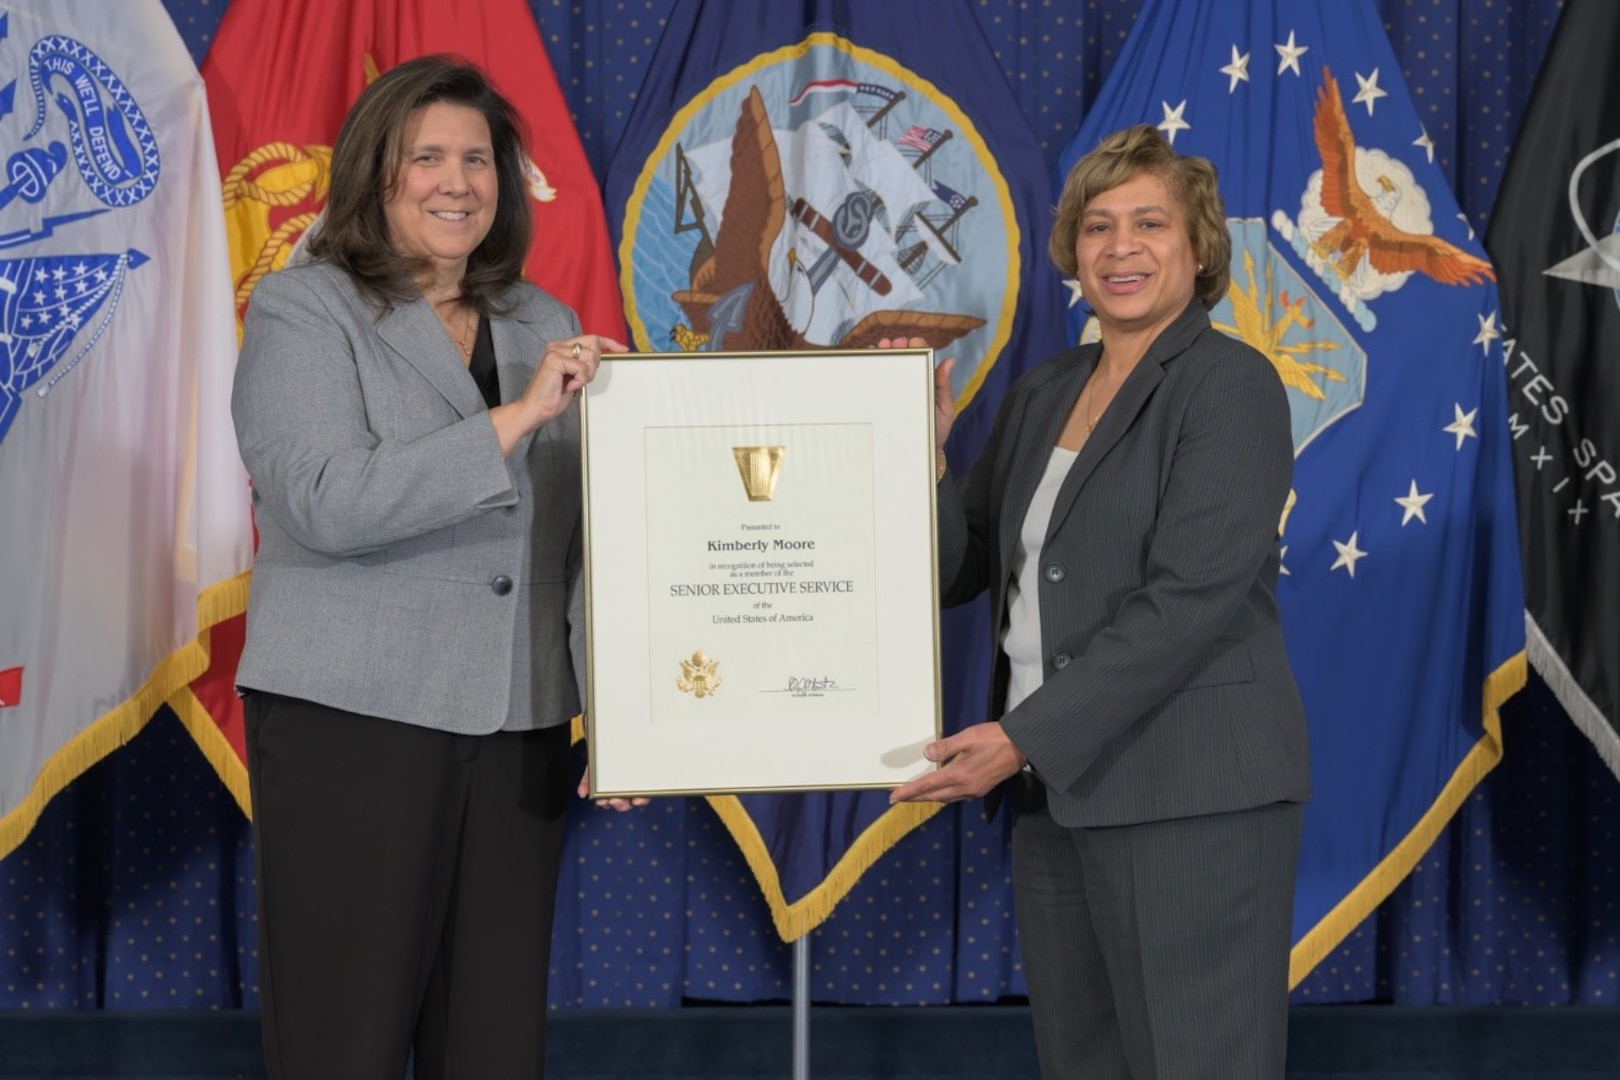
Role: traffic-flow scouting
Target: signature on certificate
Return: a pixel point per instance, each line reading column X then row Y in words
column 810, row 686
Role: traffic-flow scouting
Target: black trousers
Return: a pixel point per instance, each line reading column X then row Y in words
column 406, row 883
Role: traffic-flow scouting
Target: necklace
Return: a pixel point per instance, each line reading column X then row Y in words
column 1085, row 413
column 464, row 341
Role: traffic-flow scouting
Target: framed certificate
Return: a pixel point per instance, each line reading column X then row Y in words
column 762, row 602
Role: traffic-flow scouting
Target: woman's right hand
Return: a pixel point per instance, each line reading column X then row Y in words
column 564, row 370
column 944, row 402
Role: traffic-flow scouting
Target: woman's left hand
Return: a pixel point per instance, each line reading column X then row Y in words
column 977, row 759
column 621, row 805
column 944, row 396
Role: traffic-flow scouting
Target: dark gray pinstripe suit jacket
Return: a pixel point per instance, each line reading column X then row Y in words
column 1167, row 688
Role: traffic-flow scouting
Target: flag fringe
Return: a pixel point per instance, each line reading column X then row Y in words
column 225, row 600
column 1375, row 888
column 795, row 920
column 1581, row 709
column 215, row 747
column 122, row 723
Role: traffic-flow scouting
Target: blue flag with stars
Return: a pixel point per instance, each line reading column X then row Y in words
column 1353, row 271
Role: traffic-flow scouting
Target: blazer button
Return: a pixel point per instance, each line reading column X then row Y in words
column 1061, row 661
column 501, row 585
column 1054, row 572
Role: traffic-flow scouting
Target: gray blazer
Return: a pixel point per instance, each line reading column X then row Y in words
column 405, row 568
column 1167, row 689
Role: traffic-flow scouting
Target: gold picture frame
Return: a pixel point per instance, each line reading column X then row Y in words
column 761, row 593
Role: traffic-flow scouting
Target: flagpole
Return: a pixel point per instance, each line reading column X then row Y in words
column 801, row 1008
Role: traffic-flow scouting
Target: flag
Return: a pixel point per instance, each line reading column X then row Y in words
column 918, row 138
column 125, row 534
column 1555, row 236
column 281, row 76
column 825, row 175
column 1353, row 271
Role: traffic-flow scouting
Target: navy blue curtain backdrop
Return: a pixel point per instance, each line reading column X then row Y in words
column 135, row 889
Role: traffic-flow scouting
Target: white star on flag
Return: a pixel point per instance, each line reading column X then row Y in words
column 1075, row 295
column 1369, row 91
column 1487, row 332
column 1172, row 121
column 1413, row 503
column 1283, row 571
column 1290, row 54
column 1348, row 554
column 1424, row 141
column 1464, row 219
column 1463, row 426
column 1238, row 70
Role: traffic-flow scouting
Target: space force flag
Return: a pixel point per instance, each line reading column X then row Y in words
column 1354, row 273
column 124, row 531
column 825, row 174
column 1555, row 235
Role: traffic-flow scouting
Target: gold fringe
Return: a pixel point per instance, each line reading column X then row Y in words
column 1349, row 913
column 804, row 915
column 205, row 732
column 224, row 600
column 797, row 919
column 121, row 724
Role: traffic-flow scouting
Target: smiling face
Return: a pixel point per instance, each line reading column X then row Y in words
column 443, row 200
column 1136, row 263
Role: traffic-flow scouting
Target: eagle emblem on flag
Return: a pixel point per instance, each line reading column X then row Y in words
column 52, row 303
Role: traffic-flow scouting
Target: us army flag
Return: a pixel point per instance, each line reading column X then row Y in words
column 1555, row 240
column 801, row 176
column 124, row 525
column 1352, row 271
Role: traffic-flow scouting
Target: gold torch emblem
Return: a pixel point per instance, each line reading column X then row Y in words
column 759, row 466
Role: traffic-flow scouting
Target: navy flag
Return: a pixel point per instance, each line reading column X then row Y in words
column 1555, row 234
column 1354, row 272
column 817, row 175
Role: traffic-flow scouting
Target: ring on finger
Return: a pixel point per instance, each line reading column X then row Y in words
column 576, row 350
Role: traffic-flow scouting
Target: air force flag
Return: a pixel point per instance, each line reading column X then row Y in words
column 1354, row 273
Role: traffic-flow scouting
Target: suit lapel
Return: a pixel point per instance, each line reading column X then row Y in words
column 1129, row 401
column 517, row 352
column 414, row 332
column 1043, row 420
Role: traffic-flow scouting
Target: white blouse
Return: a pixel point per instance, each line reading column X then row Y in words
column 1021, row 636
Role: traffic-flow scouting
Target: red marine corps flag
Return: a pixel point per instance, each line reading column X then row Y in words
column 281, row 76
